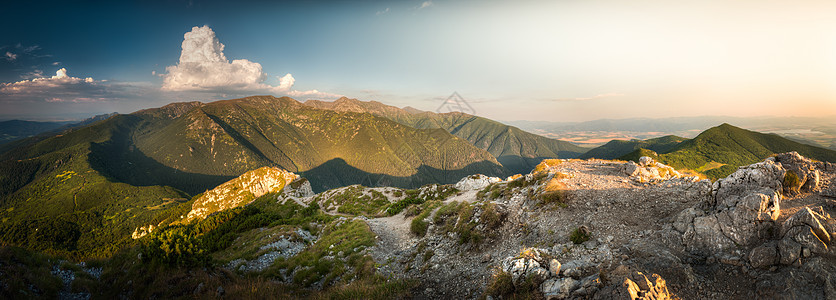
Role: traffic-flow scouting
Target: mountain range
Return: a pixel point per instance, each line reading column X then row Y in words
column 517, row 150
column 92, row 185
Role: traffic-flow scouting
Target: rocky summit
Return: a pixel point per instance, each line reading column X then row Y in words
column 625, row 231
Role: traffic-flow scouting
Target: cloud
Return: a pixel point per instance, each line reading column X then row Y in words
column 599, row 96
column 425, row 4
column 11, row 56
column 203, row 67
column 61, row 88
column 380, row 12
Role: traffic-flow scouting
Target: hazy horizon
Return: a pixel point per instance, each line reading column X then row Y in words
column 557, row 61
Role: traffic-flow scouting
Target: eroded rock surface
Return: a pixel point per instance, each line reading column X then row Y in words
column 240, row 191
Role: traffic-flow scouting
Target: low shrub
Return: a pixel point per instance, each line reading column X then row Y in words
column 579, row 235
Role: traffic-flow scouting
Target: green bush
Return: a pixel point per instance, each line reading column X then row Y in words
column 579, row 235
column 791, row 182
column 419, row 226
column 500, row 286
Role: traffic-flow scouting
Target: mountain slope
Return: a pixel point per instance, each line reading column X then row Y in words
column 718, row 151
column 517, row 150
column 92, row 186
column 617, row 148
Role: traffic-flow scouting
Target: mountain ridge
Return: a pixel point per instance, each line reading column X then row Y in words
column 517, row 150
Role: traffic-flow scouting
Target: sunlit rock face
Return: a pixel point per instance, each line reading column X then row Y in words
column 241, row 191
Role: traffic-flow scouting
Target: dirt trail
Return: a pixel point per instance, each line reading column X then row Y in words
column 393, row 236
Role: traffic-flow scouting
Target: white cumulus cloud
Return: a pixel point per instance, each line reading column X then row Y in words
column 58, row 88
column 203, row 67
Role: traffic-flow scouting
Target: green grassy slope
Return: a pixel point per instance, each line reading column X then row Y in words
column 718, row 151
column 617, row 148
column 517, row 150
column 53, row 199
column 735, row 147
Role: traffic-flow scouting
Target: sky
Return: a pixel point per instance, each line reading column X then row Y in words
column 555, row 60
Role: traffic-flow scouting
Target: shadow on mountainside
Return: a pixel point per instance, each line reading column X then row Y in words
column 338, row 173
column 120, row 160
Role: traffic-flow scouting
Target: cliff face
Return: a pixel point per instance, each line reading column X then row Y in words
column 241, row 191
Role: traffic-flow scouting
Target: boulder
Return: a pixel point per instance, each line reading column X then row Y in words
column 530, row 262
column 649, row 171
column 806, row 170
column 475, row 182
column 554, row 267
column 646, row 161
column 789, row 251
column 764, row 256
column 741, row 211
column 810, row 218
column 576, row 268
column 559, row 288
column 808, row 239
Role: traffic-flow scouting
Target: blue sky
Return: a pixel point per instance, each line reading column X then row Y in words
column 512, row 60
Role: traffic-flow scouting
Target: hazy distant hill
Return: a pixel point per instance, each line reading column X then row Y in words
column 718, row 151
column 17, row 129
column 517, row 150
column 13, row 130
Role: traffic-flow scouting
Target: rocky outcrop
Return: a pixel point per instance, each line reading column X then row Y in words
column 475, row 182
column 647, row 170
column 556, row 281
column 740, row 212
column 806, row 233
column 142, row 231
column 240, row 191
column 809, row 176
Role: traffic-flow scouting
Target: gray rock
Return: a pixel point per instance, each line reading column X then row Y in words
column 805, row 236
column 475, row 182
column 646, row 161
column 559, row 288
column 789, row 251
column 764, row 256
column 576, row 268
column 588, row 286
column 809, row 218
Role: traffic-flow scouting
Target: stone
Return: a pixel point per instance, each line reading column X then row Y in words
column 789, row 251
column 741, row 211
column 559, row 288
column 805, row 237
column 486, row 257
column 809, row 218
column 575, row 268
column 764, row 256
column 554, row 267
column 475, row 182
column 804, row 168
column 646, row 161
column 588, row 286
